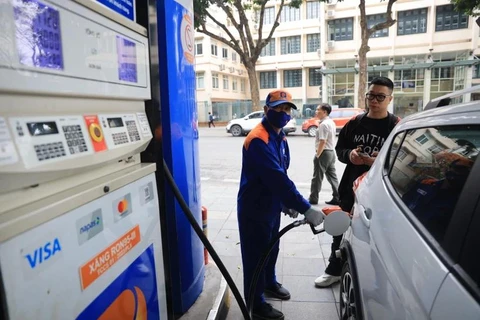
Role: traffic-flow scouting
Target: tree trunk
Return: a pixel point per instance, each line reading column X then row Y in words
column 362, row 73
column 254, row 87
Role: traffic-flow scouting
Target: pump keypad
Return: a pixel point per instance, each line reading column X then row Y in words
column 120, row 138
column 132, row 131
column 49, row 151
column 75, row 140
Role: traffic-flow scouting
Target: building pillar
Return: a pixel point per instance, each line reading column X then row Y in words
column 325, row 88
column 304, row 85
column 427, row 83
column 468, row 82
column 279, row 79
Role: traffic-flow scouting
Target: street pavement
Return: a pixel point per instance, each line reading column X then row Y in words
column 303, row 256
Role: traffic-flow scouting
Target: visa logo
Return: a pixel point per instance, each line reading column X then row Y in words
column 90, row 225
column 42, row 254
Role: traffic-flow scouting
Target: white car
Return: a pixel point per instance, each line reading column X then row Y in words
column 242, row 126
column 412, row 251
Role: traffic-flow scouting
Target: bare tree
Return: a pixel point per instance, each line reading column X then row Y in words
column 246, row 43
column 366, row 33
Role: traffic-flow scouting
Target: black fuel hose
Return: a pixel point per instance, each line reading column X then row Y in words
column 205, row 242
column 247, row 313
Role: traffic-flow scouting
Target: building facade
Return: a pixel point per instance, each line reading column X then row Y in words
column 430, row 51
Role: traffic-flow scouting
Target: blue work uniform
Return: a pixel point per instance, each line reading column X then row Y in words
column 264, row 188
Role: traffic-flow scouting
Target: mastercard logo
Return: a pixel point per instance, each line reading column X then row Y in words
column 122, row 206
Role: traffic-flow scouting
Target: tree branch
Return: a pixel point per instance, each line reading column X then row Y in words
column 233, row 45
column 232, row 38
column 388, row 23
column 264, row 42
column 244, row 24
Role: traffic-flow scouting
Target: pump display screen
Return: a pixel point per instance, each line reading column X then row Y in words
column 115, row 122
column 127, row 59
column 42, row 128
column 38, row 36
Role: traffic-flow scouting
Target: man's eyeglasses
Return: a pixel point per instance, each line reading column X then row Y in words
column 379, row 97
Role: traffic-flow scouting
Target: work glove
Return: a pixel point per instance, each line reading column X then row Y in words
column 314, row 216
column 290, row 212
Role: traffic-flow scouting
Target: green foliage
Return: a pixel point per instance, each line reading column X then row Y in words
column 470, row 7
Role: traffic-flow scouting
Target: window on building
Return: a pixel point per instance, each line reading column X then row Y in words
column 374, row 74
column 376, row 19
column 435, row 149
column 412, row 22
column 442, row 81
column 198, row 48
column 342, row 89
column 422, row 139
column 214, row 49
column 234, row 56
column 425, row 184
column 269, row 49
column 225, row 82
column 292, row 78
column 269, row 15
column 313, row 9
column 290, row 45
column 290, row 14
column 313, row 42
column 215, row 80
column 268, row 79
column 340, row 29
column 234, row 84
column 476, row 71
column 200, row 80
column 449, row 19
column 242, row 85
column 411, row 80
column 314, row 77
column 225, row 53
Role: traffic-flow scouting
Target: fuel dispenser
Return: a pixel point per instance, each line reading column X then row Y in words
column 79, row 216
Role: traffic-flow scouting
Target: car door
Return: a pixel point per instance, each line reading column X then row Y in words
column 253, row 119
column 399, row 224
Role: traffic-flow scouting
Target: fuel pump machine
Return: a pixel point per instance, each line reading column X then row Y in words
column 79, row 223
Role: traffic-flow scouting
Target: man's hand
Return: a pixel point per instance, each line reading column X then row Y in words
column 291, row 212
column 355, row 158
column 314, row 216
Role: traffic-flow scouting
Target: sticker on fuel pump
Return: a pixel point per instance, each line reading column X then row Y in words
column 8, row 154
column 144, row 125
column 103, row 261
column 96, row 133
column 132, row 295
column 122, row 207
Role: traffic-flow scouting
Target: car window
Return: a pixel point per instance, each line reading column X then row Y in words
column 348, row 113
column 335, row 114
column 256, row 115
column 430, row 169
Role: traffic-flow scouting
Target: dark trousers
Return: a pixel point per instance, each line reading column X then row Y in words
column 334, row 267
column 323, row 166
column 254, row 239
column 210, row 123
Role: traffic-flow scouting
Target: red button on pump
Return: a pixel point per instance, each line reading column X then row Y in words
column 122, row 206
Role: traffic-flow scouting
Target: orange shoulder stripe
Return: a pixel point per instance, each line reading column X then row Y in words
column 258, row 132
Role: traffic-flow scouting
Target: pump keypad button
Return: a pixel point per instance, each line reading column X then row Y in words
column 48, row 151
column 120, row 138
column 132, row 131
column 75, row 140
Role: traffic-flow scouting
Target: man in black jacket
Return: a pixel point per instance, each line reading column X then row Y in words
column 358, row 144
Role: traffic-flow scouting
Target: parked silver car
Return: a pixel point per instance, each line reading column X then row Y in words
column 242, row 126
column 413, row 248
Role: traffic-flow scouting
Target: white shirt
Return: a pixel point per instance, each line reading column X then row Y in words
column 327, row 131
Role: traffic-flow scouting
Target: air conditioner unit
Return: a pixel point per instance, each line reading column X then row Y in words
column 240, row 72
column 232, row 69
column 331, row 44
column 331, row 2
column 330, row 14
column 319, row 52
column 222, row 67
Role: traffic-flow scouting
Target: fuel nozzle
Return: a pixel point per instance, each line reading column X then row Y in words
column 335, row 223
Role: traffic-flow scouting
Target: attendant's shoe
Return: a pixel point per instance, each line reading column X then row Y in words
column 312, row 202
column 326, row 280
column 267, row 312
column 333, row 202
column 278, row 291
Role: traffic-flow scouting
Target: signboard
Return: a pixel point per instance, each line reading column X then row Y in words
column 125, row 8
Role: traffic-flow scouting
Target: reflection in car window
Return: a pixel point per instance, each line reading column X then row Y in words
column 394, row 149
column 430, row 169
column 256, row 115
